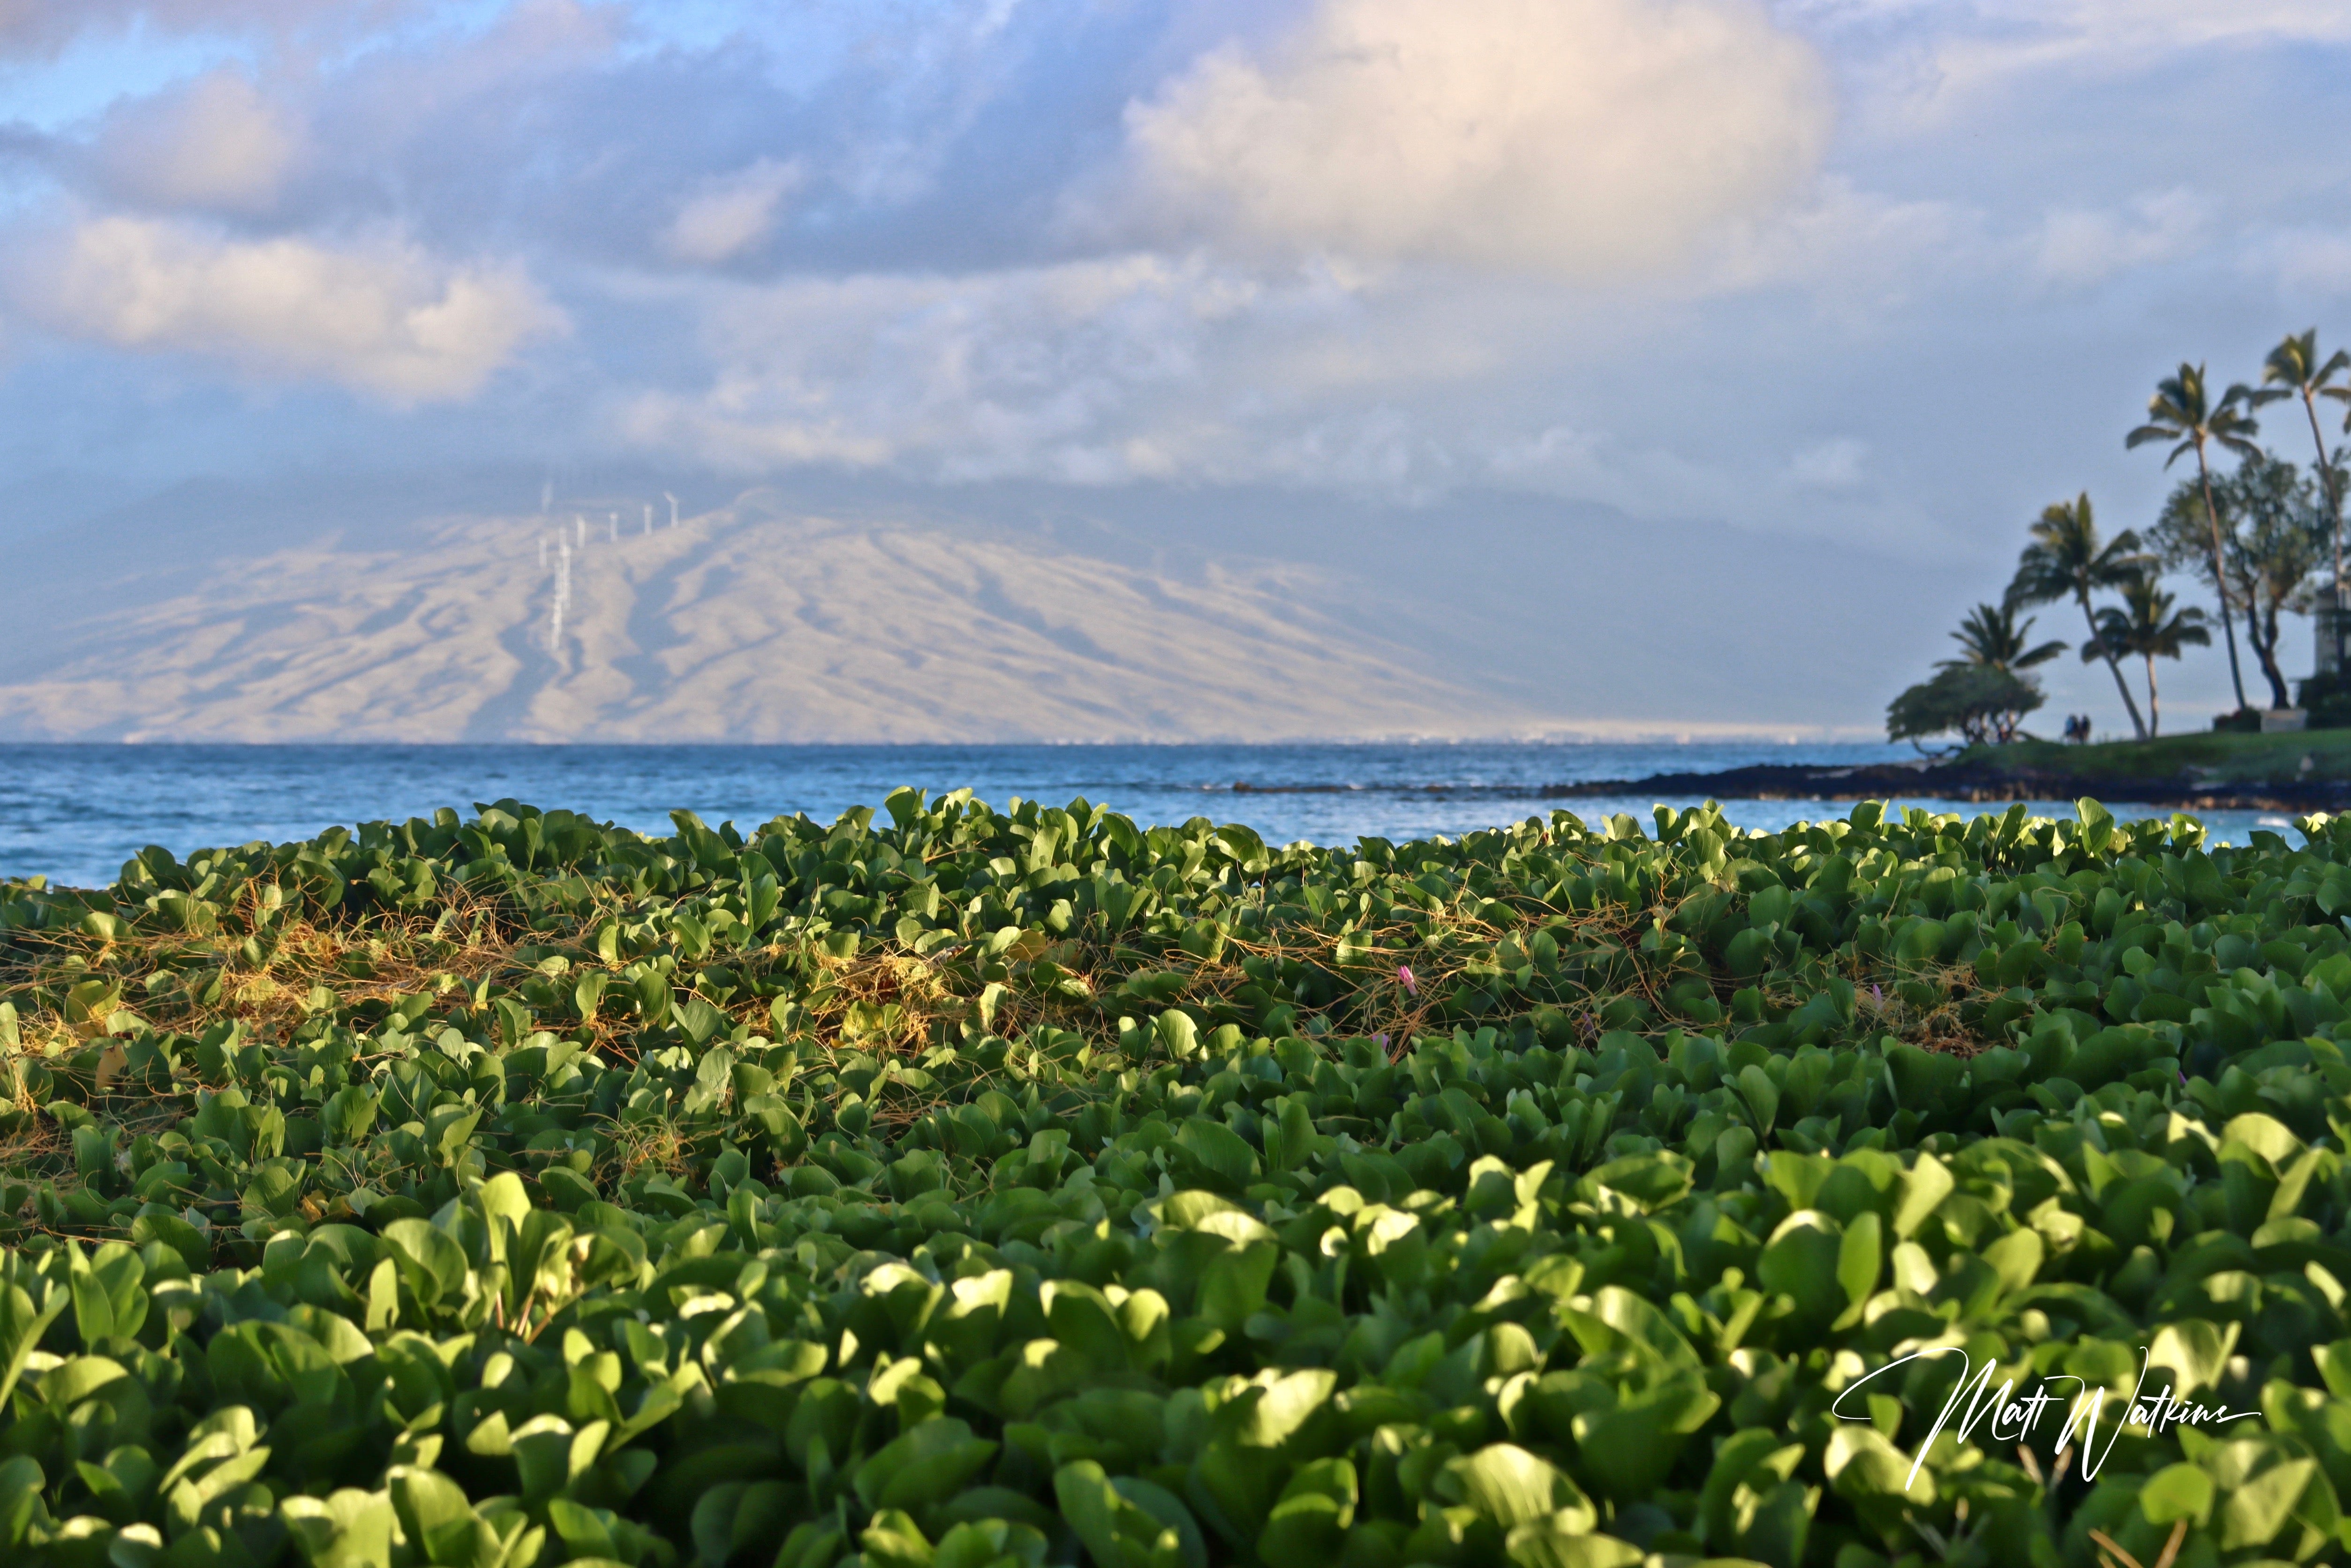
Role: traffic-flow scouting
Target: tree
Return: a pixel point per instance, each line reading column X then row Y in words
column 2292, row 369
column 2146, row 625
column 1982, row 703
column 1990, row 636
column 2179, row 413
column 2273, row 532
column 2066, row 560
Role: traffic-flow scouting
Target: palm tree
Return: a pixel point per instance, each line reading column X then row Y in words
column 2181, row 413
column 1990, row 636
column 2292, row 369
column 2066, row 560
column 2146, row 626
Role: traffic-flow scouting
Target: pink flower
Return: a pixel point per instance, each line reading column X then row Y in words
column 1404, row 977
column 1877, row 998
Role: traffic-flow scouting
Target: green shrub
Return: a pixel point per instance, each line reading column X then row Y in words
column 1031, row 1187
column 2326, row 699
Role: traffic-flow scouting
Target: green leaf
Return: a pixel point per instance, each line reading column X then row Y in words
column 1629, row 1443
column 1312, row 1515
column 933, row 1460
column 1865, row 1468
column 1179, row 1036
column 21, row 1482
column 2195, row 1350
column 1215, row 1156
column 1861, row 1256
column 430, row 1262
column 2176, row 1493
column 1123, row 1531
column 2256, row 1512
column 1802, row 1260
column 1924, row 1186
column 1513, row 1487
column 1556, row 1543
column 992, row 1544
column 1762, row 1096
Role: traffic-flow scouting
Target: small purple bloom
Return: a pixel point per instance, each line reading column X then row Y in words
column 1382, row 1040
column 1877, row 998
column 1404, row 977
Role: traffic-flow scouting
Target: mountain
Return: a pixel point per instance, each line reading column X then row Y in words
column 419, row 608
column 751, row 622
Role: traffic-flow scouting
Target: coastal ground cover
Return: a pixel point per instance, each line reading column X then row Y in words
column 954, row 1186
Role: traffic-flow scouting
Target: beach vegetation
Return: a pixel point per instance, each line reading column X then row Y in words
column 952, row 1186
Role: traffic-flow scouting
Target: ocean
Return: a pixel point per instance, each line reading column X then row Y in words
column 74, row 813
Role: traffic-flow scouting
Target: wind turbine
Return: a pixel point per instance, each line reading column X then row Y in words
column 546, row 495
column 579, row 521
column 649, row 519
column 542, row 552
column 562, row 598
column 672, row 507
column 616, row 527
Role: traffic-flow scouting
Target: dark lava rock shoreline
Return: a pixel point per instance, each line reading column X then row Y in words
column 1957, row 781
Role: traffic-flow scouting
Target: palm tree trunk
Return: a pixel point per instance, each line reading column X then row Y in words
column 2220, row 579
column 2082, row 597
column 2154, row 704
column 2335, row 509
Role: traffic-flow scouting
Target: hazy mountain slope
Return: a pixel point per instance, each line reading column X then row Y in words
column 750, row 624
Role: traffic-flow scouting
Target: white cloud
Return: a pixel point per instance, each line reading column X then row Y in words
column 730, row 213
column 1919, row 65
column 2309, row 263
column 1861, row 248
column 1831, row 464
column 2085, row 247
column 216, row 142
column 385, row 319
column 1581, row 138
column 1091, row 371
column 29, row 26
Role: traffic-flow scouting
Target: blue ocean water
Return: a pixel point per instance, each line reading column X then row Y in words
column 75, row 814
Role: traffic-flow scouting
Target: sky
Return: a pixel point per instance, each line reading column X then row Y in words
column 1887, row 275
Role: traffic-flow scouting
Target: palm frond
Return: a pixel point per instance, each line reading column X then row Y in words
column 1991, row 636
column 2288, row 365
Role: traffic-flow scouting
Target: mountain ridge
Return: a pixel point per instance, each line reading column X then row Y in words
column 749, row 623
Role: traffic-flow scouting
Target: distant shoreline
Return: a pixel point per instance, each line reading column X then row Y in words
column 2309, row 771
